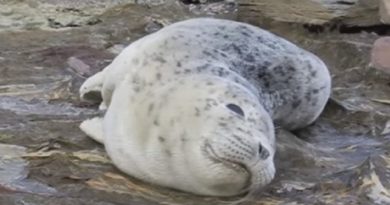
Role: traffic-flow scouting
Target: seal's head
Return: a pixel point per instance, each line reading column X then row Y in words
column 226, row 138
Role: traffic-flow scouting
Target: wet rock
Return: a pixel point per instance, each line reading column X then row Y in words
column 53, row 14
column 155, row 23
column 152, row 2
column 79, row 66
column 380, row 54
column 214, row 8
column 14, row 172
column 312, row 12
column 384, row 11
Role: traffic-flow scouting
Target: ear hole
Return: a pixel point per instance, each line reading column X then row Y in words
column 235, row 108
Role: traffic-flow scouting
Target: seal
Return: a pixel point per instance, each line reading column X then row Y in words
column 193, row 106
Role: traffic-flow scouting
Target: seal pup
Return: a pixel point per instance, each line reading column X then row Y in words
column 193, row 105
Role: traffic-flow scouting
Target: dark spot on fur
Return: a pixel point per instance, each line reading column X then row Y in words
column 260, row 39
column 183, row 136
column 295, row 104
column 292, row 69
column 245, row 34
column 136, row 88
column 236, row 48
column 155, row 122
column 212, row 102
column 223, row 54
column 197, row 111
column 308, row 96
column 158, row 76
column 251, row 68
column 160, row 59
column 249, row 58
column 178, row 64
column 220, row 71
column 323, row 87
column 168, row 152
column 222, row 124
column 266, row 83
column 267, row 63
column 251, row 120
column 135, row 61
column 150, row 108
column 207, row 53
column 313, row 73
column 261, row 74
column 222, row 27
column 161, row 139
column 279, row 69
column 225, row 36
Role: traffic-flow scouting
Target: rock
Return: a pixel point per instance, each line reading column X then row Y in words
column 380, row 54
column 313, row 12
column 153, row 26
column 384, row 11
column 14, row 172
column 79, row 66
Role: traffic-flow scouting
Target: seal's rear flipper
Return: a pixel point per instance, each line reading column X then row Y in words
column 93, row 128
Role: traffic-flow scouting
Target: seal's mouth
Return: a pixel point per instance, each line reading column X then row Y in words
column 237, row 166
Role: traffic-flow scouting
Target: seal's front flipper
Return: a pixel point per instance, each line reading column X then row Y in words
column 91, row 89
column 93, row 128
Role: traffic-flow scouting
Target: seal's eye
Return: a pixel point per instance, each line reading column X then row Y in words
column 263, row 153
column 235, row 108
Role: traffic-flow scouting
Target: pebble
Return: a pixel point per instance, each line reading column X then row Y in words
column 380, row 54
column 116, row 49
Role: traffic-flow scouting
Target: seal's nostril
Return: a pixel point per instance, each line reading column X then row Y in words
column 260, row 148
column 263, row 152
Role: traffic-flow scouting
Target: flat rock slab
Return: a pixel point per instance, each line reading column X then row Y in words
column 313, row 12
column 343, row 158
column 384, row 11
